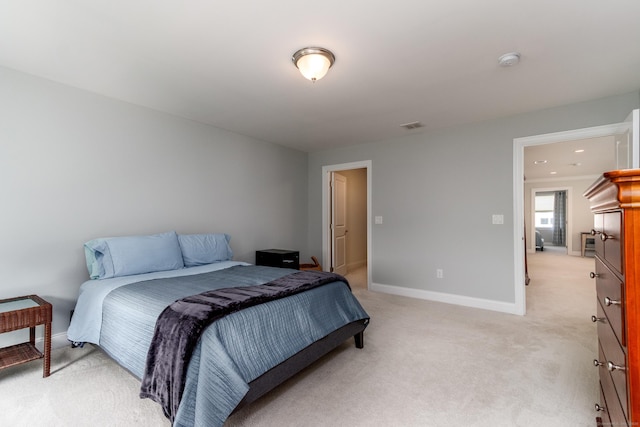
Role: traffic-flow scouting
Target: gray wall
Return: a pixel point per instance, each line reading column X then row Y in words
column 75, row 166
column 437, row 192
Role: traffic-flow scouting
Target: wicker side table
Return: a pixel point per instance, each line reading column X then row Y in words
column 20, row 313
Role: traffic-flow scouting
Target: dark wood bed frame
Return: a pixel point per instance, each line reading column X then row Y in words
column 299, row 361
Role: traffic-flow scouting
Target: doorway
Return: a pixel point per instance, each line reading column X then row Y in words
column 551, row 219
column 356, row 247
column 518, row 189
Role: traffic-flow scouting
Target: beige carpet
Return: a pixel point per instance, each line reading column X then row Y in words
column 424, row 364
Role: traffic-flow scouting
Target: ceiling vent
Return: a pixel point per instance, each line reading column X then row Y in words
column 412, row 125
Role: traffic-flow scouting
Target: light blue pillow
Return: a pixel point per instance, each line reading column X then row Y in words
column 97, row 254
column 124, row 256
column 200, row 249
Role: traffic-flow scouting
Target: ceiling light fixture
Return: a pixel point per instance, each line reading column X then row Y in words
column 509, row 59
column 540, row 162
column 412, row 125
column 580, row 150
column 313, row 62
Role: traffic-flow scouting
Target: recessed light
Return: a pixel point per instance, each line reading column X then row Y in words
column 540, row 162
column 575, row 164
column 579, row 151
column 553, row 173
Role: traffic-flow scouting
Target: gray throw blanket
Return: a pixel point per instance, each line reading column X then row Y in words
column 180, row 325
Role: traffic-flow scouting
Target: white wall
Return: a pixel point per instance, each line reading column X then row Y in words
column 437, row 192
column 75, row 166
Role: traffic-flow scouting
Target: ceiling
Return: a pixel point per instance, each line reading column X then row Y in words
column 560, row 160
column 227, row 63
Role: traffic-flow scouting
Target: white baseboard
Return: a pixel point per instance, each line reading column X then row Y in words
column 57, row 341
column 355, row 265
column 60, row 340
column 572, row 253
column 504, row 307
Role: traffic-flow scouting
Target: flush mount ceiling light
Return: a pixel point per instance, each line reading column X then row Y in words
column 509, row 59
column 412, row 125
column 313, row 62
column 539, row 162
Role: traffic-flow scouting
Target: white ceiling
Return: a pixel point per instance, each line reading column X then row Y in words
column 599, row 156
column 227, row 63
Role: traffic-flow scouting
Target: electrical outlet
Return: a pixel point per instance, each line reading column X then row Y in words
column 439, row 273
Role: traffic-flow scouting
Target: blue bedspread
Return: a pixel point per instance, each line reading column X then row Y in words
column 234, row 350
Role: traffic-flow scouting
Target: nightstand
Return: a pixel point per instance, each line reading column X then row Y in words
column 20, row 313
column 278, row 258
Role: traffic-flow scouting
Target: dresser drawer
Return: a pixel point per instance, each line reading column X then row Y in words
column 604, row 415
column 614, row 408
column 608, row 238
column 603, row 419
column 612, row 238
column 598, row 227
column 612, row 353
column 611, row 296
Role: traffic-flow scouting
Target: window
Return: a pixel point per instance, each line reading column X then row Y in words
column 544, row 210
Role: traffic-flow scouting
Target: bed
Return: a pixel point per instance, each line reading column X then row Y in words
column 239, row 357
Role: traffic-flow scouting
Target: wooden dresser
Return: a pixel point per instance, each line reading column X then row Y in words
column 615, row 201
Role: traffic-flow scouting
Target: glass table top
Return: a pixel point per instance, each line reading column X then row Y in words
column 18, row 304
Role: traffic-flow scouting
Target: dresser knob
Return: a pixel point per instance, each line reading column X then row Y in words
column 593, row 275
column 613, row 367
column 608, row 301
column 597, row 363
column 595, row 319
column 600, row 408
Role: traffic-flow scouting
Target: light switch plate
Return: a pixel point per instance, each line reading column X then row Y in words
column 498, row 219
column 378, row 220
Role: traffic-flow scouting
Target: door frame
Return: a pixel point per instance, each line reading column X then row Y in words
column 520, row 302
column 326, row 206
